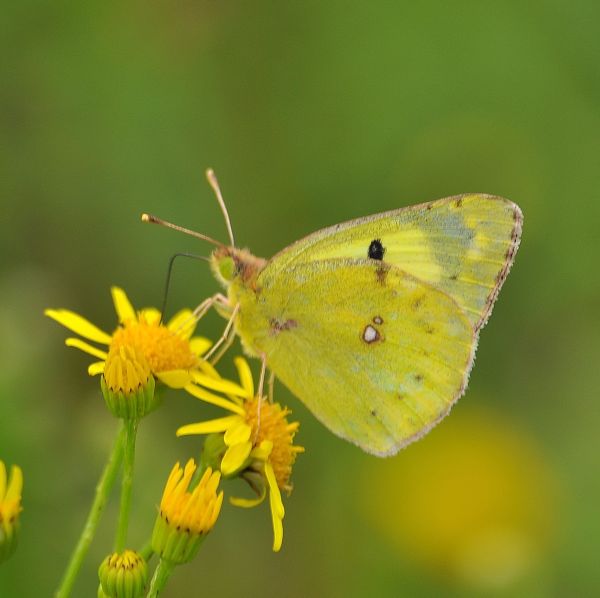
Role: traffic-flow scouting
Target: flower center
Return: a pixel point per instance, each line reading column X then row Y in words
column 164, row 349
column 274, row 426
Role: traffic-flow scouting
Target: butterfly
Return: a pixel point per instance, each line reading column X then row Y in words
column 373, row 323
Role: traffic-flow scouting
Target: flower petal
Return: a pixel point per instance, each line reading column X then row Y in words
column 222, row 385
column 78, row 324
column 86, row 347
column 238, row 433
column 175, row 378
column 2, row 480
column 263, row 451
column 245, row 374
column 123, row 306
column 247, row 503
column 150, row 314
column 209, row 369
column 275, row 494
column 96, row 368
column 234, row 457
column 15, row 485
column 208, row 397
column 199, row 345
column 277, row 510
column 277, row 530
column 183, row 323
column 209, row 427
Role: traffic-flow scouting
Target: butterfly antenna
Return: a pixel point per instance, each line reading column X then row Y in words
column 155, row 220
column 168, row 280
column 212, row 181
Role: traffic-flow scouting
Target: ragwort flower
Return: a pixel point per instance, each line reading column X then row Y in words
column 11, row 488
column 186, row 516
column 257, row 436
column 170, row 350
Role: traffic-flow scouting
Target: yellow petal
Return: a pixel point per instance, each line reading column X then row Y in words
column 96, row 368
column 247, row 503
column 238, row 433
column 199, row 345
column 183, row 323
column 16, row 484
column 175, row 378
column 208, row 397
column 245, row 374
column 234, row 457
column 275, row 495
column 86, row 347
column 123, row 306
column 209, row 427
column 78, row 324
column 224, row 386
column 2, row 480
column 210, row 370
column 277, row 531
column 263, row 451
column 150, row 314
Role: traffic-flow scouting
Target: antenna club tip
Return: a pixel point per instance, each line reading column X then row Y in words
column 146, row 217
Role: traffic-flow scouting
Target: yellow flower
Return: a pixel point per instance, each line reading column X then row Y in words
column 258, row 439
column 474, row 504
column 186, row 517
column 10, row 507
column 171, row 352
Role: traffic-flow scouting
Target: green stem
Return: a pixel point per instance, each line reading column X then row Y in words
column 161, row 576
column 103, row 488
column 146, row 551
column 126, row 484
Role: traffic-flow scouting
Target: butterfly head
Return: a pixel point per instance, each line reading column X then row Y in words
column 231, row 264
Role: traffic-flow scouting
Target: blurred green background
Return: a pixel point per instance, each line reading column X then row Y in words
column 311, row 113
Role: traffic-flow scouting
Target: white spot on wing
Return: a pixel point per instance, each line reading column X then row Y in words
column 370, row 334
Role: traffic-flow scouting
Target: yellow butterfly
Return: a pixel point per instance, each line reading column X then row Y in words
column 373, row 323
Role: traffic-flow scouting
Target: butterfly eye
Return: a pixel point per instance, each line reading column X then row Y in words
column 376, row 250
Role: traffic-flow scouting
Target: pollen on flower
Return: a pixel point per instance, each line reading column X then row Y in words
column 273, row 426
column 164, row 348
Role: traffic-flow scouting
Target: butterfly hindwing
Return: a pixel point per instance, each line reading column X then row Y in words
column 377, row 355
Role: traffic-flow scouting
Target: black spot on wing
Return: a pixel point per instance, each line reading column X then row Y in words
column 376, row 250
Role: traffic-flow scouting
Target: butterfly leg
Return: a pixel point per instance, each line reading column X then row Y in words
column 263, row 369
column 224, row 347
column 261, row 383
column 226, row 332
column 200, row 311
column 271, row 386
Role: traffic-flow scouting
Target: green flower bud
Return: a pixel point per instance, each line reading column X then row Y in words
column 186, row 517
column 123, row 575
column 128, row 385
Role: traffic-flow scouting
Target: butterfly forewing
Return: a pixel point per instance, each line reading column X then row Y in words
column 463, row 246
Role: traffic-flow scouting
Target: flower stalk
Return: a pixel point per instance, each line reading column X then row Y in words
column 103, row 488
column 127, row 483
column 161, row 575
